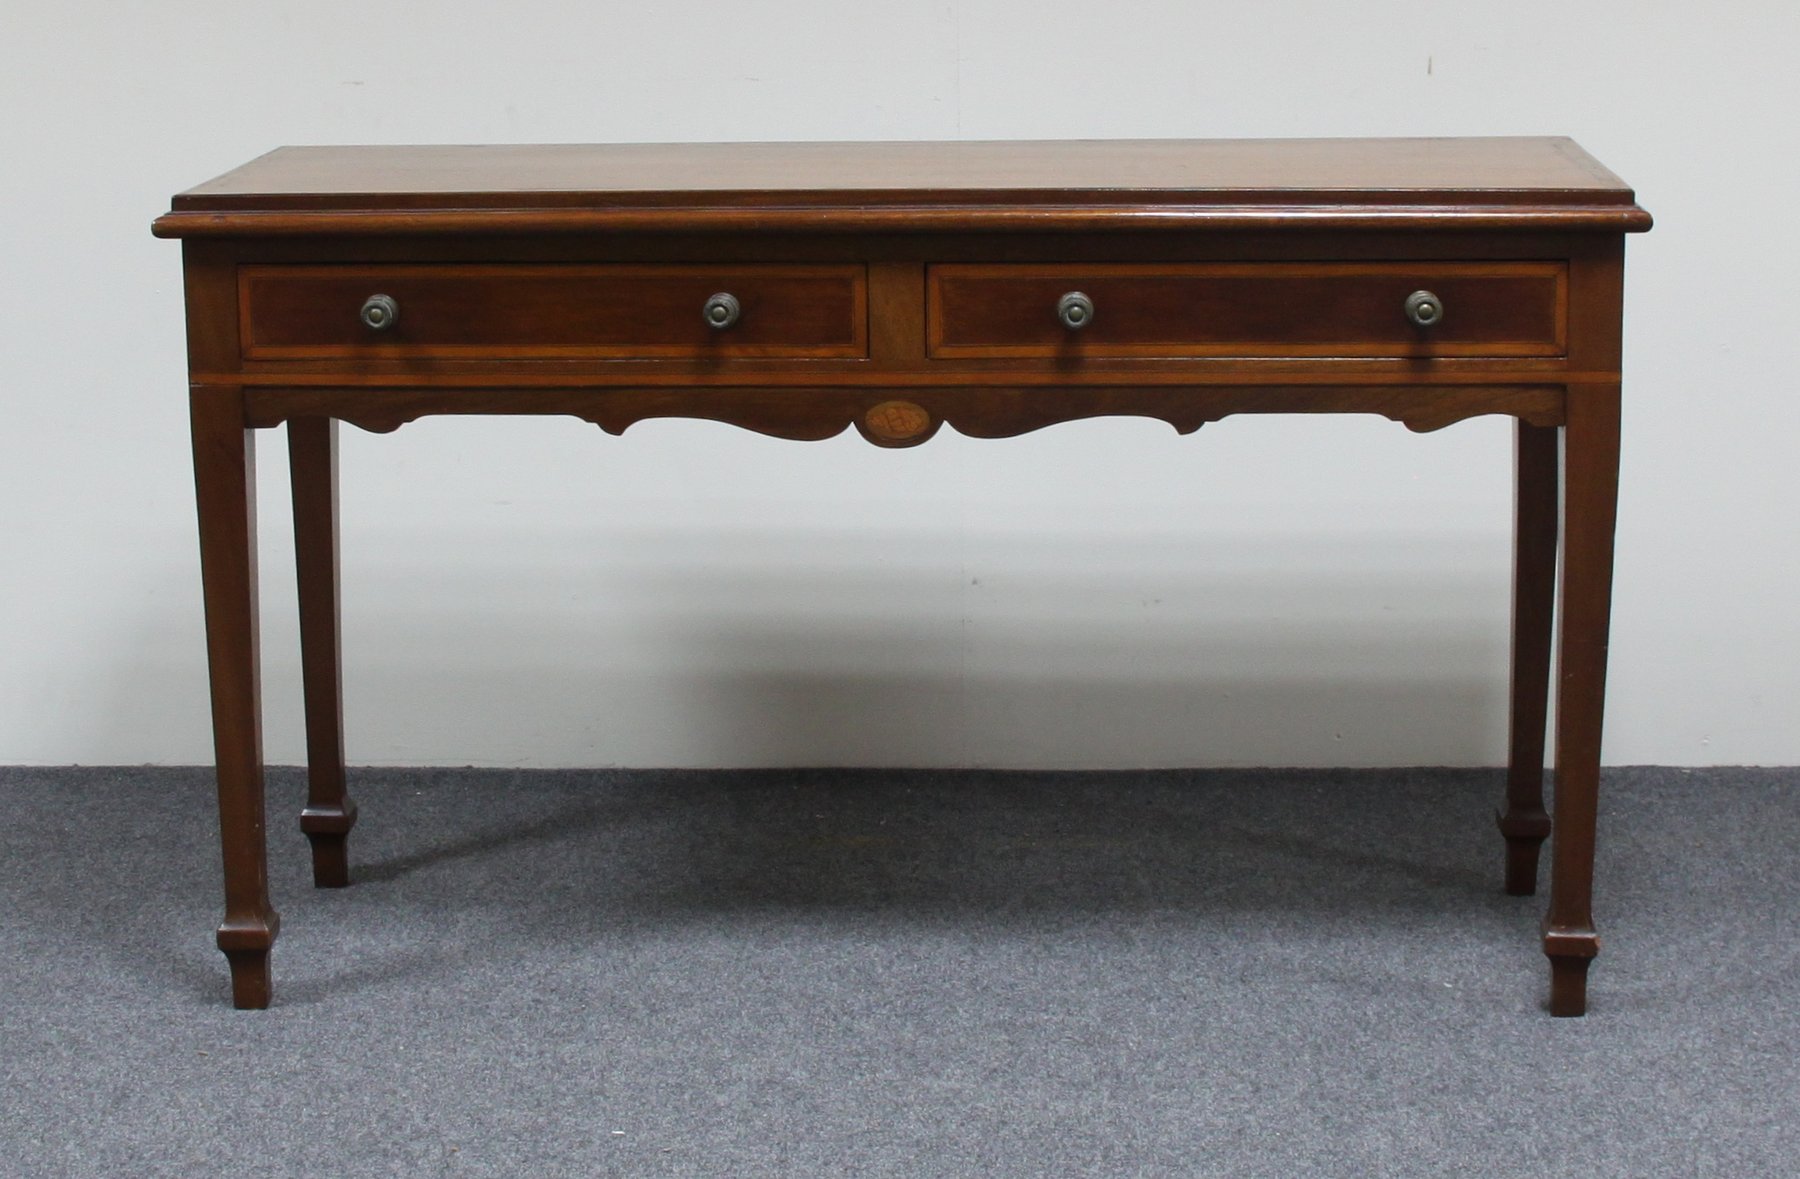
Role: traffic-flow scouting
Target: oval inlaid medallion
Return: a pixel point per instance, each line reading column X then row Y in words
column 897, row 421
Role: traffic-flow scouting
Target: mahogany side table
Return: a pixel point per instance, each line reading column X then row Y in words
column 799, row 289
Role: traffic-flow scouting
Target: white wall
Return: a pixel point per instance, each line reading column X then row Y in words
column 1286, row 591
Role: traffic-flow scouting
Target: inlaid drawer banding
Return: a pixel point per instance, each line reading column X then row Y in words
column 508, row 312
column 1348, row 309
column 900, row 289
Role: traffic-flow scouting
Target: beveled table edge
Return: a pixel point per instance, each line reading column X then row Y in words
column 932, row 218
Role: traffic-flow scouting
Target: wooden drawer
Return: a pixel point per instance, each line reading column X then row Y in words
column 1247, row 309
column 559, row 310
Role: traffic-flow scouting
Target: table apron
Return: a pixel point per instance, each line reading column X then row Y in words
column 906, row 415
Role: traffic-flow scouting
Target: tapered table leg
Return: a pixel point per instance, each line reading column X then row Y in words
column 1523, row 821
column 225, row 487
column 330, row 813
column 1590, row 499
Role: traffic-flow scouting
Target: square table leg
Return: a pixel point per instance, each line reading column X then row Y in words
column 225, row 490
column 330, row 813
column 1590, row 506
column 1523, row 820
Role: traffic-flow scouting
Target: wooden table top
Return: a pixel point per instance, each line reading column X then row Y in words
column 1540, row 182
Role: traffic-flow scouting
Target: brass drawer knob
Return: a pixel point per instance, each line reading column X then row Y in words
column 380, row 312
column 721, row 311
column 1075, row 310
column 1424, row 308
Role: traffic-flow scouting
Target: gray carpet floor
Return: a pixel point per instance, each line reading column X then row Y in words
column 821, row 973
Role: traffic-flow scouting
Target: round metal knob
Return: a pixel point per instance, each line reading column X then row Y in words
column 721, row 311
column 380, row 312
column 1075, row 310
column 1424, row 308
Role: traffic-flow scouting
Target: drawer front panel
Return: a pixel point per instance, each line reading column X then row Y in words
column 1354, row 309
column 542, row 311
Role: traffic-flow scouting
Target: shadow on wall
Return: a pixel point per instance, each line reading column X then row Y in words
column 702, row 647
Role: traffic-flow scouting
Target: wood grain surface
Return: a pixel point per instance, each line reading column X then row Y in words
column 899, row 185
column 1246, row 309
column 899, row 289
column 540, row 311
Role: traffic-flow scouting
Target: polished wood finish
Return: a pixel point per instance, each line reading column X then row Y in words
column 1523, row 821
column 330, row 812
column 898, row 289
column 1590, row 498
column 1247, row 309
column 1546, row 184
column 976, row 411
column 604, row 312
column 225, row 486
